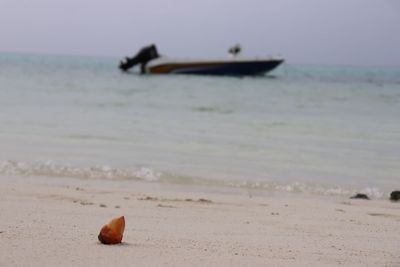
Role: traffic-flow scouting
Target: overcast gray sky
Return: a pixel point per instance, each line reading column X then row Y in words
column 356, row 32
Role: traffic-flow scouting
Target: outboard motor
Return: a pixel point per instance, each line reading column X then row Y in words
column 143, row 56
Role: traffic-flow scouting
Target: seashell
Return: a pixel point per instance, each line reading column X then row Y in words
column 112, row 232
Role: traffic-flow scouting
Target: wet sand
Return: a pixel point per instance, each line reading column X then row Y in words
column 55, row 222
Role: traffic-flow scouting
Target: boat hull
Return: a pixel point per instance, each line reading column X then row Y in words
column 230, row 68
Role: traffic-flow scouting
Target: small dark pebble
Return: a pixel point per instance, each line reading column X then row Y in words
column 84, row 203
column 148, row 198
column 165, row 206
column 360, row 196
column 203, row 200
column 395, row 196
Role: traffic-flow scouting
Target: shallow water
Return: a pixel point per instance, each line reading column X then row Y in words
column 324, row 129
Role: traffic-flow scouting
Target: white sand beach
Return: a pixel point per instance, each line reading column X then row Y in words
column 55, row 222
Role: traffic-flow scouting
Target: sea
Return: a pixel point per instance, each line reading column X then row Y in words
column 331, row 130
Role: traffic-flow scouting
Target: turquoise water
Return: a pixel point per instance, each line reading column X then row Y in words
column 324, row 129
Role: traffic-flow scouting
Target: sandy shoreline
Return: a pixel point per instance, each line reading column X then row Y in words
column 55, row 222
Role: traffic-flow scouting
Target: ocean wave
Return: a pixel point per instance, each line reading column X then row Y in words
column 275, row 186
column 328, row 190
column 51, row 169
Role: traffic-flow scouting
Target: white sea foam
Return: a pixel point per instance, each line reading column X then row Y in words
column 147, row 174
column 49, row 168
column 52, row 169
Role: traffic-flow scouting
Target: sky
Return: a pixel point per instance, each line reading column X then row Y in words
column 345, row 32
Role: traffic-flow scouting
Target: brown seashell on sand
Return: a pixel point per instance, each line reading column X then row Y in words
column 112, row 232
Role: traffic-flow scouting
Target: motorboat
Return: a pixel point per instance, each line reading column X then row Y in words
column 151, row 62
